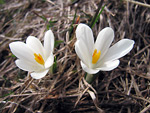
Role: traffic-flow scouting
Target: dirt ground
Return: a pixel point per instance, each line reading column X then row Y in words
column 125, row 89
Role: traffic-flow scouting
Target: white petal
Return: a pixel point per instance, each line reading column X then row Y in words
column 89, row 70
column 104, row 40
column 22, row 51
column 36, row 45
column 49, row 42
column 83, row 32
column 82, row 52
column 49, row 62
column 39, row 74
column 27, row 66
column 119, row 50
column 108, row 66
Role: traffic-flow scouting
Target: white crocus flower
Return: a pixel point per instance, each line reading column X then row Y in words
column 32, row 56
column 98, row 55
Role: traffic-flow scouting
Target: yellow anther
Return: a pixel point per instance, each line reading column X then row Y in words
column 96, row 56
column 39, row 59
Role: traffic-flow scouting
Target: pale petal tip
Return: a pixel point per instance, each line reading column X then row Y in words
column 130, row 42
column 88, row 70
column 49, row 34
column 82, row 25
column 110, row 31
column 31, row 39
column 133, row 42
column 15, row 45
column 112, row 65
column 12, row 44
column 39, row 75
column 48, row 31
column 49, row 61
column 49, row 42
column 109, row 28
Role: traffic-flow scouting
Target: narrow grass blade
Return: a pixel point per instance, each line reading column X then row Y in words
column 97, row 17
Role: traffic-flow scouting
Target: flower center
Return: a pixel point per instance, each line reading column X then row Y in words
column 39, row 59
column 95, row 56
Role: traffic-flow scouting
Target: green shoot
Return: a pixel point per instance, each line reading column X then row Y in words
column 50, row 24
column 71, row 26
column 2, row 1
column 97, row 17
column 55, row 64
column 13, row 56
column 96, row 14
column 57, row 42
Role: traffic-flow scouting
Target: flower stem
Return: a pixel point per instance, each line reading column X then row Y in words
column 51, row 70
column 89, row 78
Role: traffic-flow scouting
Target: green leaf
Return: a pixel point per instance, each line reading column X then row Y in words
column 50, row 24
column 71, row 26
column 57, row 42
column 97, row 17
column 13, row 56
column 2, row 1
column 55, row 64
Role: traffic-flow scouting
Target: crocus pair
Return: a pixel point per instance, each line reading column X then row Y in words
column 95, row 56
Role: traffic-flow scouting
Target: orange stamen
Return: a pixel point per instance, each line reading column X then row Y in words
column 96, row 56
column 39, row 59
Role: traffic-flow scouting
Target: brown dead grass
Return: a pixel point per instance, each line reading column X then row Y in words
column 124, row 90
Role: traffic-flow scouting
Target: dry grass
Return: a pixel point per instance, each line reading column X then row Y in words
column 123, row 90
